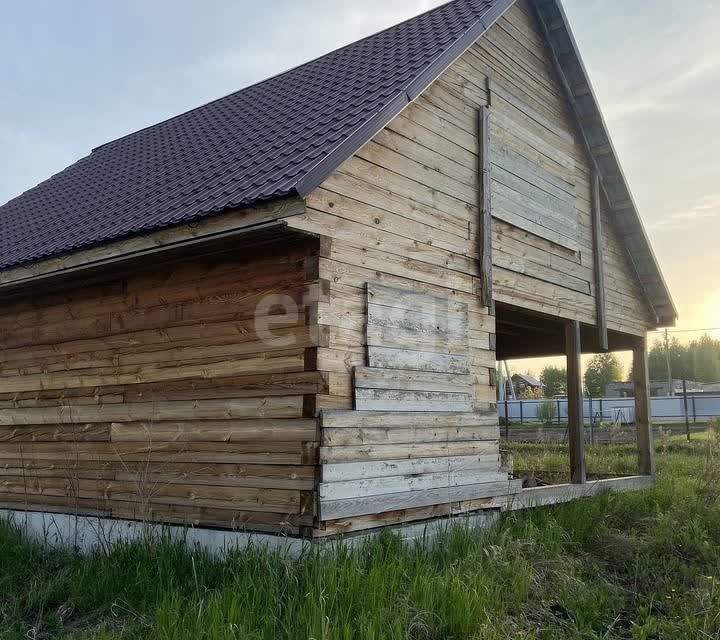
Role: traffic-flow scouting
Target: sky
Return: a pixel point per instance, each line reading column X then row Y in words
column 78, row 73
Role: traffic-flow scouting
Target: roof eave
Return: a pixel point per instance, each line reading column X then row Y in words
column 581, row 94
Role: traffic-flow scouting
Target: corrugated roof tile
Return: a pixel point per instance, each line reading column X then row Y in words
column 254, row 145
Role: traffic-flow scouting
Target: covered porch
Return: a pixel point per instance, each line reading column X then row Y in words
column 528, row 334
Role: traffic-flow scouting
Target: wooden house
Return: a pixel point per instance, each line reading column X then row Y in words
column 525, row 383
column 281, row 312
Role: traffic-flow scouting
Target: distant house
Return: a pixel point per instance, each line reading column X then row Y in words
column 523, row 383
column 657, row 389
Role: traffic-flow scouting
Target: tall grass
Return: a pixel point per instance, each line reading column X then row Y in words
column 642, row 565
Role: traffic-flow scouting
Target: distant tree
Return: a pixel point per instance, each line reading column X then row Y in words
column 680, row 361
column 547, row 412
column 705, row 355
column 530, row 394
column 698, row 361
column 555, row 381
column 603, row 369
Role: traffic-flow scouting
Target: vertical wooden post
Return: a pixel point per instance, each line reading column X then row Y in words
column 507, row 418
column 687, row 411
column 486, row 275
column 643, row 422
column 599, row 264
column 576, row 430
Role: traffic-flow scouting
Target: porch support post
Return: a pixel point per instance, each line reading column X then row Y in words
column 643, row 419
column 576, row 430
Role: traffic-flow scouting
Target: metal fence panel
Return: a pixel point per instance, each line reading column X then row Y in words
column 700, row 408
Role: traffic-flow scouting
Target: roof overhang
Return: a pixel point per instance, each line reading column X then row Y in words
column 581, row 95
column 246, row 239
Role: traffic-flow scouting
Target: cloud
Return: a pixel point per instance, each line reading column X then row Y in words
column 666, row 92
column 280, row 46
column 704, row 209
column 665, row 70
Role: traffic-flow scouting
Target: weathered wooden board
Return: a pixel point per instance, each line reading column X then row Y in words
column 485, row 250
column 345, row 471
column 413, row 301
column 418, row 348
column 399, row 400
column 400, row 379
column 406, row 484
column 377, row 419
column 333, row 509
column 412, row 434
column 381, row 452
column 390, row 358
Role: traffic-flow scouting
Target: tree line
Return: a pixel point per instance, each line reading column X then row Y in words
column 698, row 361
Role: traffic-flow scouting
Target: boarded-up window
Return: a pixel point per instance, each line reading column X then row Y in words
column 418, row 354
column 533, row 170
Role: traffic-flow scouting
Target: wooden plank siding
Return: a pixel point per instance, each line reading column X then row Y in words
column 405, row 212
column 417, row 351
column 182, row 393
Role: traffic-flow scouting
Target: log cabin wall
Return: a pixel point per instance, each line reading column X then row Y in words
column 403, row 212
column 178, row 394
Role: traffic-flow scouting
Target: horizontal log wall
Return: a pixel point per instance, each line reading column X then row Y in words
column 380, row 467
column 162, row 396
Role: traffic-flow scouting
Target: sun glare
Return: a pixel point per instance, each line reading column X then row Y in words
column 711, row 311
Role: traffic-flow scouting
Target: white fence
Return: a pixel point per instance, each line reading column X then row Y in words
column 699, row 409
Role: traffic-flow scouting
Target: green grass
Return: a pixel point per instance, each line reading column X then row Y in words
column 676, row 457
column 642, row 565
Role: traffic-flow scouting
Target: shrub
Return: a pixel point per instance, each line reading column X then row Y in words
column 547, row 411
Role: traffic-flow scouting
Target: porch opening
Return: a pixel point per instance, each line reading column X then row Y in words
column 561, row 436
